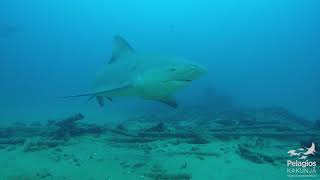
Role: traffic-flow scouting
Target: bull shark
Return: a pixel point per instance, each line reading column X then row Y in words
column 150, row 77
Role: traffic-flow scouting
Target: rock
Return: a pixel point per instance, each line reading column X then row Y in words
column 40, row 144
column 35, row 124
column 68, row 122
column 67, row 128
column 44, row 173
column 195, row 148
column 244, row 152
column 175, row 142
column 121, row 127
column 198, row 139
column 12, row 141
column 160, row 127
column 58, row 150
column 251, row 155
column 100, row 159
column 223, row 137
column 165, row 176
column 125, row 164
column 138, row 165
column 183, row 166
column 267, row 158
column 75, row 160
column 226, row 122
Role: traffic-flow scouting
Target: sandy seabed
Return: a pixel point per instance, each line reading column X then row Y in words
column 185, row 144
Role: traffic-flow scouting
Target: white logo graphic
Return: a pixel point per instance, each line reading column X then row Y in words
column 301, row 167
column 311, row 150
column 302, row 153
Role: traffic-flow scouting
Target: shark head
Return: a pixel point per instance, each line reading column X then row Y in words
column 170, row 75
column 183, row 72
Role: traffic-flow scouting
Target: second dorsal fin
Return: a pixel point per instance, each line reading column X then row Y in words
column 120, row 47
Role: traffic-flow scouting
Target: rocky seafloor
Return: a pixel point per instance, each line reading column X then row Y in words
column 255, row 135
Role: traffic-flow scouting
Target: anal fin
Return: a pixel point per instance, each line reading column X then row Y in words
column 100, row 100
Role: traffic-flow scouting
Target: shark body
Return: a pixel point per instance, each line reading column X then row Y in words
column 151, row 77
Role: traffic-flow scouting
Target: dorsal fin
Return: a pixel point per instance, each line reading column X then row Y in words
column 120, row 46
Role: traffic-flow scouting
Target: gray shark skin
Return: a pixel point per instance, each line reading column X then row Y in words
column 151, row 77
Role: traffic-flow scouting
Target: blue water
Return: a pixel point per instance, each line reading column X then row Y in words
column 258, row 52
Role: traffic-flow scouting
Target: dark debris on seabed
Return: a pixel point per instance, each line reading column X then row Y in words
column 194, row 126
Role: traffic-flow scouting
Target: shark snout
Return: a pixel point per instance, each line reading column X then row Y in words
column 188, row 72
column 197, row 69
